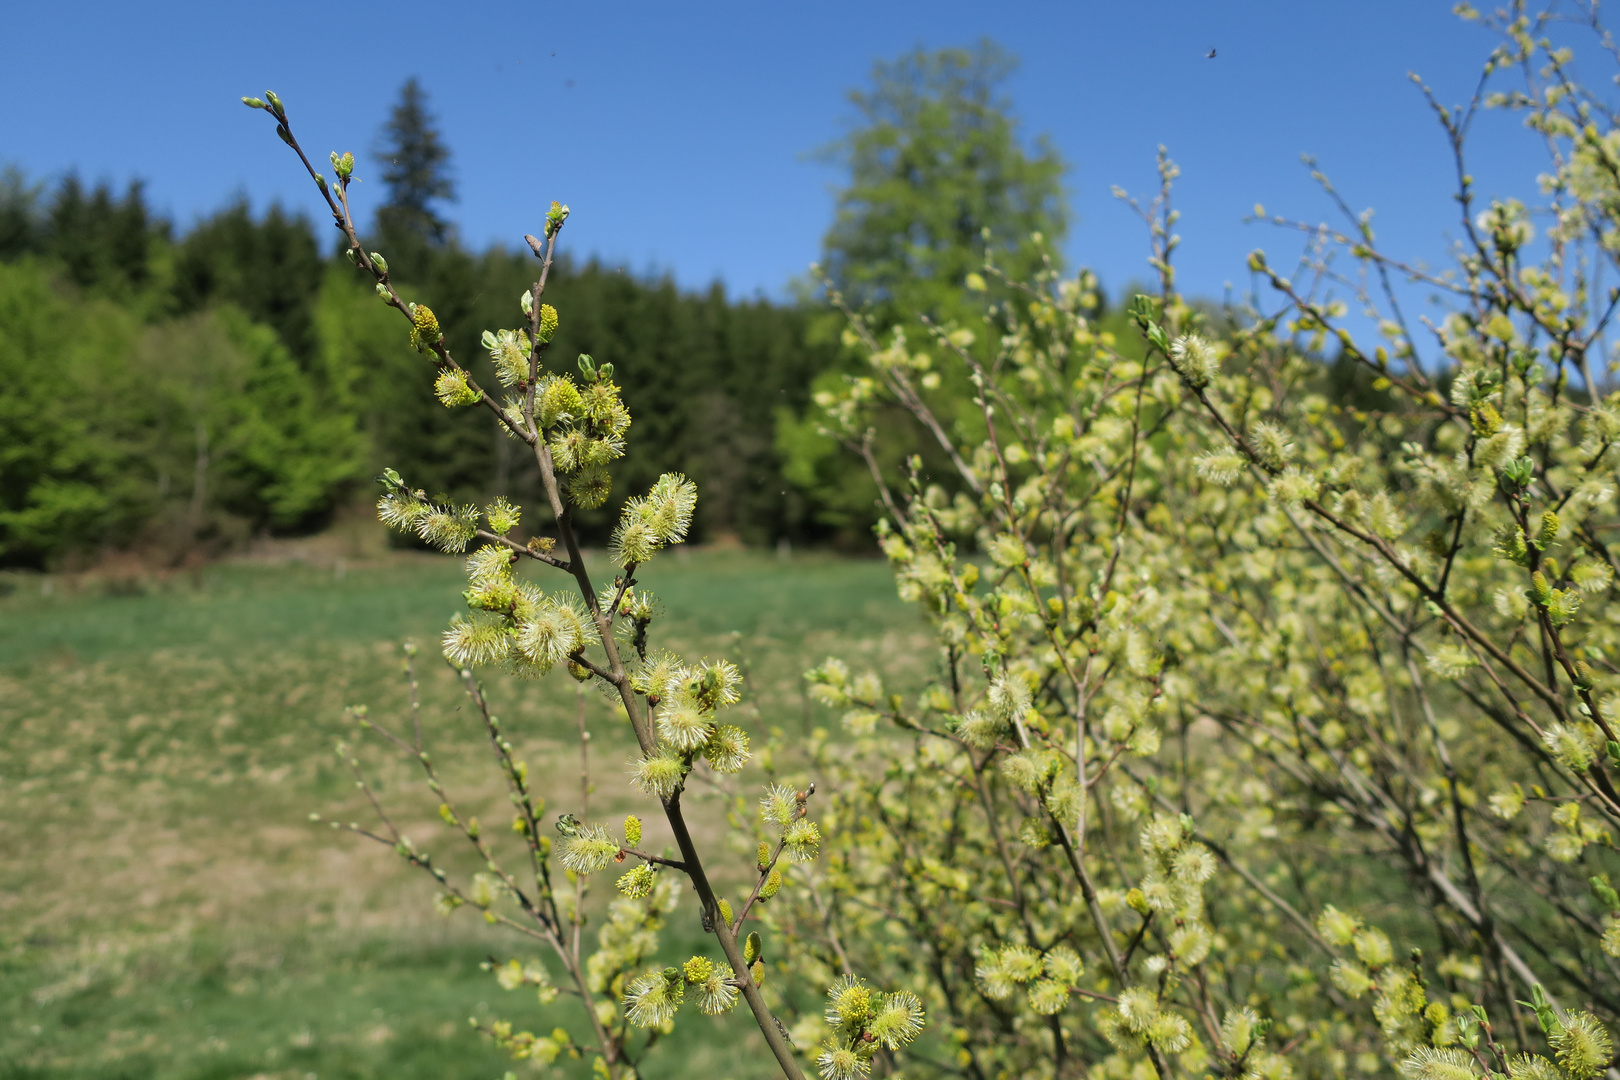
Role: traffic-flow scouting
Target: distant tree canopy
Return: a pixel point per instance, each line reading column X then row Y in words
column 720, row 388
column 192, row 405
column 938, row 181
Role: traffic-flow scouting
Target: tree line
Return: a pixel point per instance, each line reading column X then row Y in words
column 205, row 404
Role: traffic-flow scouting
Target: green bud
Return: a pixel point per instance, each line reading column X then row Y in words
column 254, row 103
column 752, row 947
column 587, row 367
column 1157, row 337
column 1585, row 677
column 1605, row 894
column 555, row 218
column 320, row 181
column 275, row 103
column 1518, row 473
column 286, row 136
column 349, row 252
column 379, row 262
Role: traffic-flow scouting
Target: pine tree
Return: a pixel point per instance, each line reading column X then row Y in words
column 416, row 171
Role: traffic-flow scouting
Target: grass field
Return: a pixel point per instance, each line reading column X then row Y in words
column 166, row 908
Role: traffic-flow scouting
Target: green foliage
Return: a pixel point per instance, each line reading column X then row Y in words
column 710, row 375
column 171, row 431
column 70, row 462
column 938, row 181
column 269, row 268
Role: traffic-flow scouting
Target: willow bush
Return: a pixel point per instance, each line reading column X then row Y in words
column 1271, row 728
column 598, row 633
column 1272, row 732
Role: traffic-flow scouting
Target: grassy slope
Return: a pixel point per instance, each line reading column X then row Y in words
column 165, row 908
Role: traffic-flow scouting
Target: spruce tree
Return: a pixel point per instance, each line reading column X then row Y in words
column 416, row 171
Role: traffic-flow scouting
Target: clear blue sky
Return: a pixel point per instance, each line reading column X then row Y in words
column 680, row 133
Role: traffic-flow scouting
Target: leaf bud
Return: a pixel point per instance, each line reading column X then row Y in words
column 381, row 264
column 555, row 218
column 286, row 136
column 275, row 104
column 1605, row 894
column 254, row 103
column 1518, row 473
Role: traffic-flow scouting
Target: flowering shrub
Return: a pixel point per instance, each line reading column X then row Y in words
column 598, row 633
column 1271, row 728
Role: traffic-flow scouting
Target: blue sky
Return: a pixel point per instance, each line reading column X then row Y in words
column 681, row 134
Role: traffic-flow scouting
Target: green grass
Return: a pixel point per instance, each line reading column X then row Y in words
column 166, row 909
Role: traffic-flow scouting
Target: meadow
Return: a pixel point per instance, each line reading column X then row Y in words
column 168, row 910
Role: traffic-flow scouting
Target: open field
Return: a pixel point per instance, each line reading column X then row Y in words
column 166, row 908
